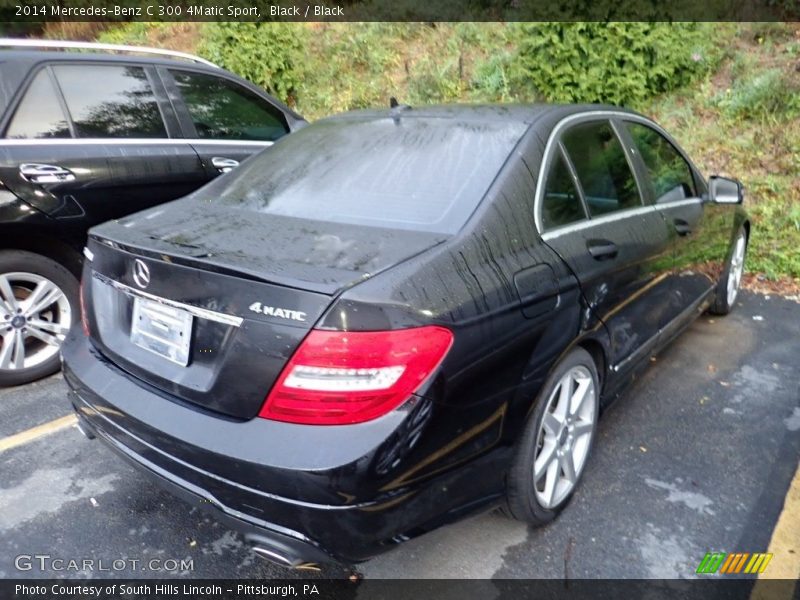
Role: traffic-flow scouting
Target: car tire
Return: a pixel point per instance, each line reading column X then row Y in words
column 38, row 305
column 728, row 285
column 539, row 484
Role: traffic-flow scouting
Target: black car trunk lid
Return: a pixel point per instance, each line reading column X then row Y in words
column 251, row 290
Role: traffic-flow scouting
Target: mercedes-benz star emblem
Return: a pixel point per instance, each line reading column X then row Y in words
column 141, row 273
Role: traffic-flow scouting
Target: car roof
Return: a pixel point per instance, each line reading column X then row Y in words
column 544, row 115
column 32, row 56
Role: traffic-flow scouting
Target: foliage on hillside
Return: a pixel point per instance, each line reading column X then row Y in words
column 730, row 93
column 615, row 63
column 268, row 54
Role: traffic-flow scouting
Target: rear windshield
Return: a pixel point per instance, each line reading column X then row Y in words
column 408, row 173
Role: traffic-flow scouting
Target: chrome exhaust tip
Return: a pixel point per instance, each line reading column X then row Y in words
column 281, row 560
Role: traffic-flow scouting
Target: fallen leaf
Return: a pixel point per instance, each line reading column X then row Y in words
column 712, row 369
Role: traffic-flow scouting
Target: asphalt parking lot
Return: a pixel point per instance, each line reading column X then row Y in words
column 697, row 456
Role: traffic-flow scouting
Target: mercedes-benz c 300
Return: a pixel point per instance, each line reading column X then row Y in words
column 393, row 319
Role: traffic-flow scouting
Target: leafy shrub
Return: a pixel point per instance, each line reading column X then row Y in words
column 616, row 63
column 268, row 54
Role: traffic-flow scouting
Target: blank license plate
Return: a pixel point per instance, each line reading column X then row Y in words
column 161, row 329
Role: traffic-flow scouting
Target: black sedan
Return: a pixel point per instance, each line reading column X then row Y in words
column 393, row 319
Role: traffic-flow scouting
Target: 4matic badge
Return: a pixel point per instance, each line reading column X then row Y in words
column 274, row 311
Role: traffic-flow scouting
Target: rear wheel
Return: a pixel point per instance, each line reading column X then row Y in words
column 38, row 305
column 554, row 449
column 728, row 286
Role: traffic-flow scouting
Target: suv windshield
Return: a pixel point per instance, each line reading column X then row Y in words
column 425, row 174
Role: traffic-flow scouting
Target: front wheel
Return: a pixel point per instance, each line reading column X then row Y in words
column 728, row 285
column 38, row 305
column 554, row 449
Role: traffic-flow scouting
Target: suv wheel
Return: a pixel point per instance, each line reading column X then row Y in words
column 554, row 449
column 38, row 305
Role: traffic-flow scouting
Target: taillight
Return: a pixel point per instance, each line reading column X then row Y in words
column 84, row 316
column 339, row 377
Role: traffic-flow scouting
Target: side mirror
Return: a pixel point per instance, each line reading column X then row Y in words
column 725, row 191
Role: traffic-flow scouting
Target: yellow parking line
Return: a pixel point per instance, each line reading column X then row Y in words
column 34, row 433
column 785, row 548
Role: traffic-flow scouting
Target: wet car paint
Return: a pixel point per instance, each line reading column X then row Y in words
column 515, row 304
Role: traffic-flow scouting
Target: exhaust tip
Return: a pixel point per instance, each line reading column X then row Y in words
column 282, row 560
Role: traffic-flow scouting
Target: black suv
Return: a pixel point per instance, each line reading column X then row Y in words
column 89, row 137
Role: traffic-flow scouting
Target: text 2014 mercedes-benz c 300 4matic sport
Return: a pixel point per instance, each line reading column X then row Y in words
column 395, row 318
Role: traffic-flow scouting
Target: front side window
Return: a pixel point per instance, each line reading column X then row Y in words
column 669, row 172
column 603, row 171
column 561, row 204
column 109, row 101
column 39, row 115
column 223, row 110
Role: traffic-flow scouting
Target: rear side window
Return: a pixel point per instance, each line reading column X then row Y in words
column 39, row 115
column 109, row 101
column 603, row 170
column 561, row 204
column 669, row 172
column 223, row 110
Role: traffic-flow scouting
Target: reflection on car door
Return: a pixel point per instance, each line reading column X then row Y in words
column 225, row 121
column 93, row 139
column 700, row 233
column 592, row 214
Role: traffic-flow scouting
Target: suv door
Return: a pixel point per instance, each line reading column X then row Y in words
column 225, row 121
column 700, row 233
column 591, row 213
column 94, row 140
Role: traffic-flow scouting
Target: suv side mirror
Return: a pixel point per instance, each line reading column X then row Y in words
column 725, row 191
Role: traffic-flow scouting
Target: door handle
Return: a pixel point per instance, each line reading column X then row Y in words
column 223, row 164
column 38, row 173
column 602, row 249
column 682, row 227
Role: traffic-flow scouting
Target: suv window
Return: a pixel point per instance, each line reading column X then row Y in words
column 39, row 115
column 108, row 101
column 599, row 159
column 221, row 109
column 561, row 204
column 669, row 172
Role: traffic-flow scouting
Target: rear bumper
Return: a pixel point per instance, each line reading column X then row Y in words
column 307, row 493
column 292, row 547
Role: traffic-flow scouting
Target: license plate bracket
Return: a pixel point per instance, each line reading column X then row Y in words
column 162, row 329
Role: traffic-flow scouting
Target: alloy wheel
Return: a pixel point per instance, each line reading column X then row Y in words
column 565, row 436
column 35, row 316
column 736, row 269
